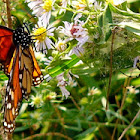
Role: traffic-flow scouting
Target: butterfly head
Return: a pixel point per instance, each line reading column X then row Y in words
column 20, row 37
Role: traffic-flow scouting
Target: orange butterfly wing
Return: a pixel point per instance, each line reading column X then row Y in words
column 37, row 74
column 13, row 95
column 24, row 73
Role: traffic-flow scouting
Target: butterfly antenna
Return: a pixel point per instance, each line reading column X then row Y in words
column 25, row 24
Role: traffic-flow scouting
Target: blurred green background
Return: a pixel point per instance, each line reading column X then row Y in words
column 83, row 116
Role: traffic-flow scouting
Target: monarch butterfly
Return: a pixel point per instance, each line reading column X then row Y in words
column 19, row 64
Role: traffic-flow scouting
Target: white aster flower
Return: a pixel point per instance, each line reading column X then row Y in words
column 51, row 95
column 75, row 31
column 36, row 100
column 72, row 82
column 62, row 85
column 42, row 9
column 47, row 63
column 78, row 50
column 64, row 91
column 78, row 5
column 97, row 5
column 116, row 2
column 41, row 37
column 82, row 4
column 36, row 115
column 39, row 56
column 94, row 91
column 48, row 60
column 64, row 5
column 132, row 90
column 136, row 62
column 61, row 45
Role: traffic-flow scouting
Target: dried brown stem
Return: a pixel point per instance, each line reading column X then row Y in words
column 111, row 60
column 126, row 83
column 9, row 13
column 48, row 134
column 75, row 103
column 125, row 130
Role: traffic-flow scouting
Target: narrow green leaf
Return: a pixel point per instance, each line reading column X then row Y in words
column 74, row 128
column 100, row 20
column 104, row 22
column 122, row 12
column 107, row 20
column 64, row 66
column 20, row 129
column 117, row 115
column 131, row 26
column 88, row 131
column 132, row 1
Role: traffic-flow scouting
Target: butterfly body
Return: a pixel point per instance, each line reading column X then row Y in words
column 20, row 65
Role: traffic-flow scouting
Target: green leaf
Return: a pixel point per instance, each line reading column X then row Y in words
column 85, row 133
column 122, row 12
column 117, row 115
column 131, row 26
column 56, row 70
column 3, row 77
column 72, row 128
column 104, row 22
column 132, row 1
column 21, row 129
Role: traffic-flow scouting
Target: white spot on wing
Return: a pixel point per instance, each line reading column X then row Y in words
column 35, row 83
column 9, row 106
column 6, row 98
column 12, row 95
column 13, row 111
column 10, row 92
column 20, row 76
column 6, row 130
column 5, row 123
column 9, row 125
column 37, row 79
column 8, row 87
column 22, row 91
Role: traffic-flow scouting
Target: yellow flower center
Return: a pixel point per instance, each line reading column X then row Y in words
column 61, row 43
column 115, row 2
column 47, row 5
column 110, row 1
column 80, row 5
column 83, row 1
column 40, row 34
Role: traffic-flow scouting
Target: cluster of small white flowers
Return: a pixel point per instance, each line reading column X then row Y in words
column 74, row 31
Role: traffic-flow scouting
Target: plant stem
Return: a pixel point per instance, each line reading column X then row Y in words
column 84, row 122
column 110, row 74
column 125, row 130
column 9, row 13
column 75, row 103
column 48, row 134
